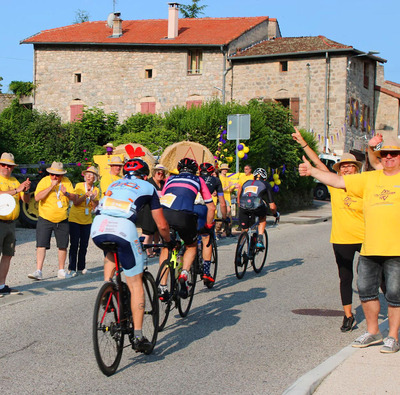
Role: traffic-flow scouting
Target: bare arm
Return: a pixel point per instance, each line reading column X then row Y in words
column 210, row 212
column 308, row 150
column 373, row 159
column 222, row 205
column 326, row 177
column 161, row 223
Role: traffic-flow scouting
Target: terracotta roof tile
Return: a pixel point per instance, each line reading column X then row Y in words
column 285, row 45
column 201, row 31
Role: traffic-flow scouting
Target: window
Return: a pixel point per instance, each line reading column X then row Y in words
column 193, row 103
column 283, row 66
column 148, row 107
column 148, row 73
column 285, row 102
column 366, row 75
column 76, row 111
column 77, row 78
column 195, row 61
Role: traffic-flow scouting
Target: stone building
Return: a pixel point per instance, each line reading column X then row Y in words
column 5, row 100
column 150, row 66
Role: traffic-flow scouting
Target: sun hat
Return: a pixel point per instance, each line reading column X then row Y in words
column 160, row 167
column 56, row 168
column 108, row 145
column 93, row 170
column 116, row 161
column 347, row 158
column 224, row 166
column 7, row 159
column 390, row 144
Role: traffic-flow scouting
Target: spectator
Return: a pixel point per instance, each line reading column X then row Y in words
column 53, row 193
column 380, row 252
column 228, row 187
column 11, row 186
column 116, row 164
column 80, row 220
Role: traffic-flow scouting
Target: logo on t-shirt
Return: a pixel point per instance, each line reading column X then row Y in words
column 384, row 194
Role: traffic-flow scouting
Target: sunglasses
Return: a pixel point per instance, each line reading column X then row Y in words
column 393, row 154
column 56, row 175
column 9, row 166
column 160, row 172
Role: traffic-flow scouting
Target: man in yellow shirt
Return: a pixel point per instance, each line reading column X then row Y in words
column 53, row 193
column 107, row 179
column 11, row 186
column 228, row 187
column 380, row 251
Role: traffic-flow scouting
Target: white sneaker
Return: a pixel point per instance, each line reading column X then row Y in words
column 63, row 274
column 85, row 271
column 37, row 275
column 73, row 273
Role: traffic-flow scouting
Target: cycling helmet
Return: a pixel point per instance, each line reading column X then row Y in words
column 136, row 167
column 260, row 172
column 187, row 165
column 206, row 169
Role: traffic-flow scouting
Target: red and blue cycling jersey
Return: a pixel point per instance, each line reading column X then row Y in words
column 180, row 191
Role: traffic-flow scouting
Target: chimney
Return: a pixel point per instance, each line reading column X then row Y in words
column 117, row 25
column 173, row 16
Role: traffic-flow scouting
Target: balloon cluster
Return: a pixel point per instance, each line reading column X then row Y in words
column 242, row 151
column 274, row 179
column 221, row 154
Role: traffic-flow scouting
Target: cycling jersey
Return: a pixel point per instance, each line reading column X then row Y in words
column 179, row 192
column 213, row 184
column 254, row 193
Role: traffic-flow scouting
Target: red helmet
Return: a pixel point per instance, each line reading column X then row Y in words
column 136, row 167
column 207, row 169
column 187, row 165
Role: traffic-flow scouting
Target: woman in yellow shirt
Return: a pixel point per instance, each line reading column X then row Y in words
column 80, row 220
column 347, row 232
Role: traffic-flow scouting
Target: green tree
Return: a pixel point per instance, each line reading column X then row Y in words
column 193, row 10
column 81, row 16
column 21, row 88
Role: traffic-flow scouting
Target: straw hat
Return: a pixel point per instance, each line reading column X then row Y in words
column 7, row 159
column 116, row 161
column 224, row 166
column 347, row 158
column 109, row 145
column 160, row 167
column 390, row 144
column 56, row 168
column 93, row 170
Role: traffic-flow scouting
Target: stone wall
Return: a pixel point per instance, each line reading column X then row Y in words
column 5, row 100
column 115, row 79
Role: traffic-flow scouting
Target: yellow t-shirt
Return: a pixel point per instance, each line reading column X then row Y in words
column 82, row 213
column 347, row 217
column 105, row 181
column 381, row 197
column 49, row 208
column 226, row 182
column 243, row 178
column 7, row 184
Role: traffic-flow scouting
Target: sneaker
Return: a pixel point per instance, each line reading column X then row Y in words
column 366, row 340
column 348, row 324
column 183, row 281
column 73, row 273
column 84, row 271
column 37, row 275
column 142, row 345
column 207, row 278
column 7, row 290
column 63, row 274
column 163, row 294
column 390, row 345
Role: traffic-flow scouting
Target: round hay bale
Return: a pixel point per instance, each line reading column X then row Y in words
column 185, row 149
column 148, row 158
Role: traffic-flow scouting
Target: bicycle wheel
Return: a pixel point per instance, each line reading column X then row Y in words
column 108, row 340
column 184, row 304
column 214, row 263
column 165, row 305
column 260, row 254
column 241, row 257
column 150, row 318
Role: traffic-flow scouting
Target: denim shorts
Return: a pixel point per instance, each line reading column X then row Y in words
column 370, row 270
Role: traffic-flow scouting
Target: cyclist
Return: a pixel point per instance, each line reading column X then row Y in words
column 252, row 198
column 177, row 200
column 213, row 185
column 116, row 223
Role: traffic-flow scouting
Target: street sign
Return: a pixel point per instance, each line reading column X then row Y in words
column 238, row 127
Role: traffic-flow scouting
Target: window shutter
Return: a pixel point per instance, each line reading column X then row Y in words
column 76, row 112
column 295, row 108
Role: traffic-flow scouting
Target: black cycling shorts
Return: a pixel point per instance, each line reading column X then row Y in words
column 247, row 218
column 184, row 222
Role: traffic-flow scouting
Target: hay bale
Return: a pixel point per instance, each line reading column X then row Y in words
column 185, row 149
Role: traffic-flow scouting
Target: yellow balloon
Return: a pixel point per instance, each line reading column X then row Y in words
column 278, row 182
column 246, row 150
column 241, row 154
column 271, row 183
column 275, row 176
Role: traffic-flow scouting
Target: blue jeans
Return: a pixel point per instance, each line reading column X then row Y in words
column 79, row 239
column 370, row 270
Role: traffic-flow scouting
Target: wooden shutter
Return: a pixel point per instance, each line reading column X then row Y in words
column 295, row 108
column 76, row 112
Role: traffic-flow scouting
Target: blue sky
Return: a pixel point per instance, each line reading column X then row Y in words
column 367, row 25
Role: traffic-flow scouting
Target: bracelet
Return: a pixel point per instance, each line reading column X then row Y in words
column 304, row 146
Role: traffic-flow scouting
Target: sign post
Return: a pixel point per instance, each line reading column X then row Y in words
column 238, row 129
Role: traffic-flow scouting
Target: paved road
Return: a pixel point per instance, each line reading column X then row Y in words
column 240, row 337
